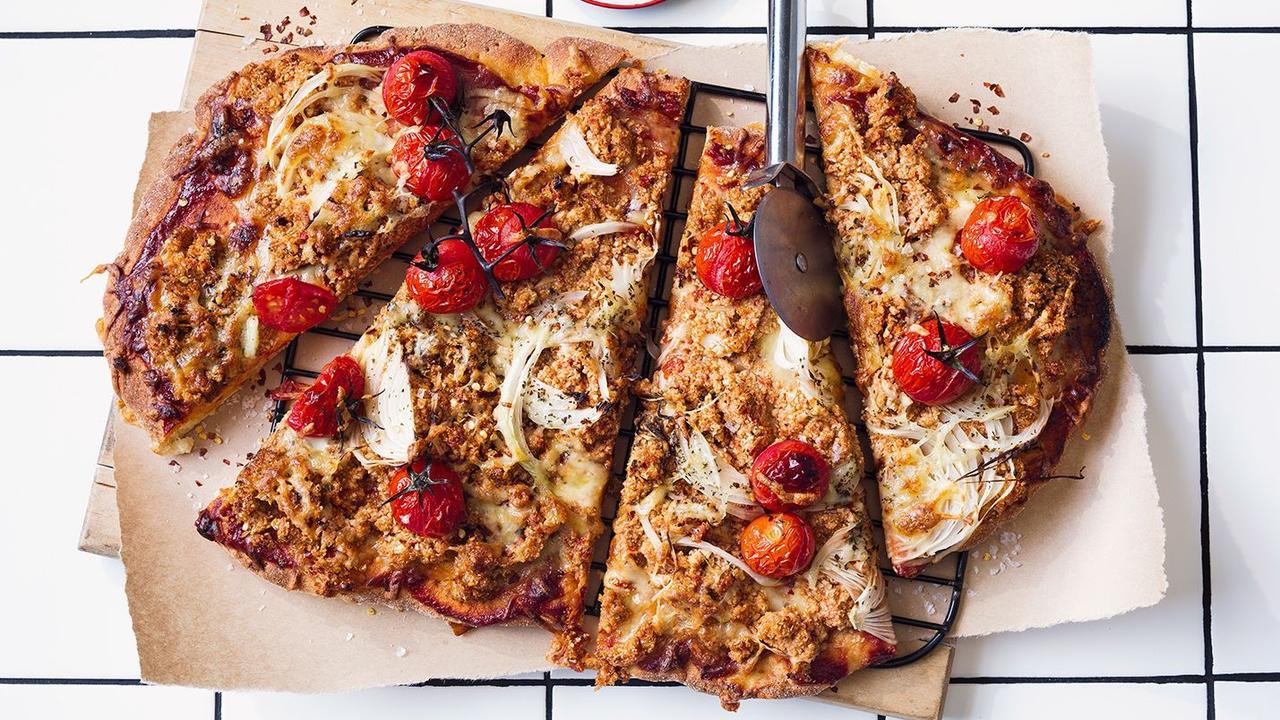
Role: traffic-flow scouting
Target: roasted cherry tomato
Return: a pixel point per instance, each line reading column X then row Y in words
column 789, row 475
column 411, row 82
column 430, row 162
column 931, row 372
column 726, row 261
column 778, row 545
column 1000, row 235
column 319, row 409
column 426, row 498
column 509, row 224
column 292, row 305
column 447, row 279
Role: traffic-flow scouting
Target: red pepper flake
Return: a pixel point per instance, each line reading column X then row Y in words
column 1004, row 131
column 204, row 451
column 244, row 17
column 1025, row 137
column 265, row 31
column 995, row 88
column 955, row 97
column 993, row 110
column 270, row 49
column 287, row 38
column 280, row 26
column 226, row 462
column 305, row 31
column 303, row 11
column 977, row 105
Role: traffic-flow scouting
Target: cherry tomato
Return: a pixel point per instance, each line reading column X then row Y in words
column 500, row 228
column 426, row 498
column 789, row 475
column 318, row 410
column 447, row 279
column 292, row 305
column 726, row 261
column 777, row 545
column 1000, row 235
column 429, row 167
column 935, row 380
column 411, row 82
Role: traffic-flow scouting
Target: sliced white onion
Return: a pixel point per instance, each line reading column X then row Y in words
column 696, row 465
column 602, row 228
column 870, row 612
column 390, row 433
column 643, row 509
column 312, row 91
column 577, row 153
column 553, row 408
column 729, row 558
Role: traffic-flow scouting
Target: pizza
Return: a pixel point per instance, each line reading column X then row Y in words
column 302, row 174
column 455, row 459
column 977, row 315
column 742, row 562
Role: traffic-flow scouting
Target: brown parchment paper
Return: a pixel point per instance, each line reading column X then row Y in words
column 1086, row 549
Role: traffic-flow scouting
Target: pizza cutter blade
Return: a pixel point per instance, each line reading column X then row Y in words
column 793, row 245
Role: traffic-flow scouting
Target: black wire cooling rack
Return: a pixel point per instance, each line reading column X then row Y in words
column 675, row 213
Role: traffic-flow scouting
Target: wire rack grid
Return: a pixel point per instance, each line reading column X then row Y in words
column 675, row 213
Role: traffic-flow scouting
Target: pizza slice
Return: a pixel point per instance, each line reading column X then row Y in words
column 303, row 173
column 977, row 314
column 742, row 562
column 454, row 461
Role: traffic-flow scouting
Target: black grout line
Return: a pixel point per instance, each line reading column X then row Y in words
column 550, row 9
column 95, row 34
column 217, row 705
column 546, row 676
column 871, row 18
column 1247, row 677
column 1206, row 574
column 50, row 353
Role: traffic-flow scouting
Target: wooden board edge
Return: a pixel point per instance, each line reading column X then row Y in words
column 100, row 529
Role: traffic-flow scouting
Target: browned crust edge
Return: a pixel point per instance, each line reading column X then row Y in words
column 781, row 687
column 503, row 53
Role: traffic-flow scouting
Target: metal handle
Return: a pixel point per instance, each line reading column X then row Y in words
column 785, row 133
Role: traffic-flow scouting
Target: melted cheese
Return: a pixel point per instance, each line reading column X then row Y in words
column 577, row 480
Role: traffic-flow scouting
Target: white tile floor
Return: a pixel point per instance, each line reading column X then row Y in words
column 73, row 627
column 1233, row 207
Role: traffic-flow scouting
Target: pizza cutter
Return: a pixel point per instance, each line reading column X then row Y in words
column 793, row 245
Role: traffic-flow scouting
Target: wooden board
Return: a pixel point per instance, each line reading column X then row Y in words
column 228, row 38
